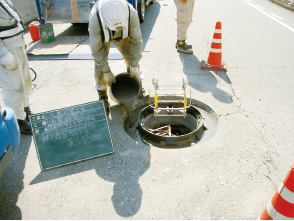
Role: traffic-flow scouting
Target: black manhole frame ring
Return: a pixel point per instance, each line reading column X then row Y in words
column 165, row 141
column 210, row 117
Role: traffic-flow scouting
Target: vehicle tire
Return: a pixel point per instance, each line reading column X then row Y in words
column 141, row 10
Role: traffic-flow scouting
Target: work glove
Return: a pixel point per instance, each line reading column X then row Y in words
column 134, row 72
column 109, row 78
column 8, row 62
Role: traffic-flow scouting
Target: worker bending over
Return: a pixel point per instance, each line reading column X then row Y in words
column 117, row 22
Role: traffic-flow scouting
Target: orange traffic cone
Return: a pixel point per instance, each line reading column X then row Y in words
column 214, row 61
column 282, row 204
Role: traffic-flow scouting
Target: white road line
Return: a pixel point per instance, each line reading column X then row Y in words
column 278, row 17
column 259, row 6
column 270, row 16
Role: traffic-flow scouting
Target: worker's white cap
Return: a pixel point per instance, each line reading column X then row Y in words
column 115, row 14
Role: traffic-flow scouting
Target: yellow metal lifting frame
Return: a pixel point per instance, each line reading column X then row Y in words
column 170, row 99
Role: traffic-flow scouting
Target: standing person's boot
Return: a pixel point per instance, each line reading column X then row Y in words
column 189, row 46
column 24, row 127
column 103, row 96
column 183, row 47
column 28, row 112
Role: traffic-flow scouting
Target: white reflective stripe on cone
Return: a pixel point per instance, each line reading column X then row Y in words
column 286, row 194
column 274, row 214
column 216, row 50
column 218, row 31
column 215, row 40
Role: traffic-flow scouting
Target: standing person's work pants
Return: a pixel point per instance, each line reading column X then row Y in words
column 16, row 85
column 184, row 18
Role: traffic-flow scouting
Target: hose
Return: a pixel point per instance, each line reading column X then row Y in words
column 35, row 74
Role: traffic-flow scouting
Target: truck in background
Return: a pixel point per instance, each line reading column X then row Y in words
column 77, row 11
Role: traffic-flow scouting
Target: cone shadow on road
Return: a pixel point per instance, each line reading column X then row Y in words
column 124, row 167
column 11, row 183
column 204, row 81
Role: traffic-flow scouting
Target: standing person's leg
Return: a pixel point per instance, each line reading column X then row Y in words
column 27, row 82
column 184, row 19
column 16, row 86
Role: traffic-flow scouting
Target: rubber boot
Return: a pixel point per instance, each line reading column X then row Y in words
column 103, row 96
column 24, row 127
column 183, row 47
column 28, row 112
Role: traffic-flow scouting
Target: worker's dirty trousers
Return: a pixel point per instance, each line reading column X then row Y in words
column 16, row 85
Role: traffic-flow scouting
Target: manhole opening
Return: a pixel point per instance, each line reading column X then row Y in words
column 171, row 131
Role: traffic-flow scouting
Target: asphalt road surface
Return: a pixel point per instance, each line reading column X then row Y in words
column 232, row 175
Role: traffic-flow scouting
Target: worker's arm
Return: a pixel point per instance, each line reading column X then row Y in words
column 136, row 43
column 96, row 45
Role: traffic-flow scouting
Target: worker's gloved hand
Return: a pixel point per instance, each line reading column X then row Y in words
column 8, row 62
column 109, row 78
column 134, row 72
